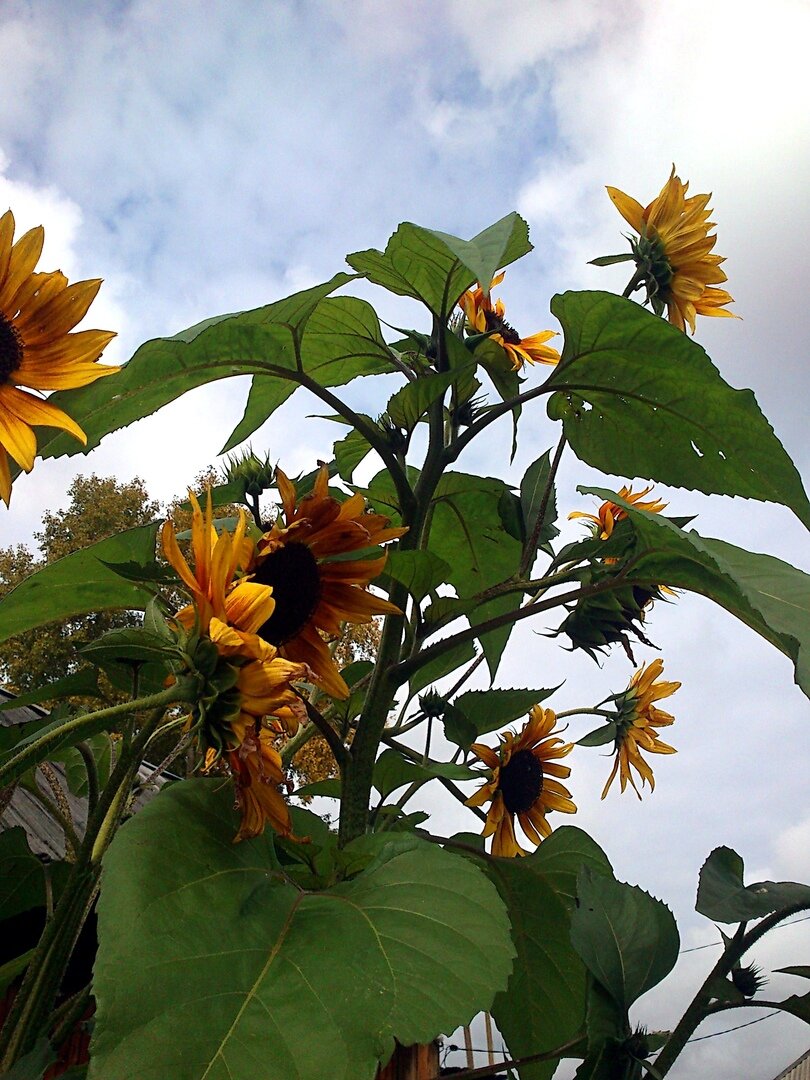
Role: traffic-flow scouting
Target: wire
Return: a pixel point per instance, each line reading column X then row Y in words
column 725, row 1031
column 715, row 944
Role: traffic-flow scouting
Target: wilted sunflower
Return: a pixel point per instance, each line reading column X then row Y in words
column 36, row 350
column 673, row 254
column 257, row 681
column 610, row 512
column 636, row 726
column 484, row 317
column 522, row 783
column 315, row 591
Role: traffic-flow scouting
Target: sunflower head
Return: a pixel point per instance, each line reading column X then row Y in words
column 306, row 559
column 523, row 783
column 609, row 513
column 37, row 350
column 595, row 623
column 637, row 722
column 748, row 979
column 673, row 253
column 483, row 317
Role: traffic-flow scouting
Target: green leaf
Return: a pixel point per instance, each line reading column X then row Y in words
column 532, row 489
column 22, row 875
column 12, row 968
column 349, row 452
column 34, row 1064
column 544, row 1003
column 435, row 267
column 796, row 1006
column 802, row 970
column 392, row 771
column 458, row 728
column 441, row 666
column 611, row 260
column 164, row 369
column 326, row 789
column 605, row 733
column 342, row 340
column 419, row 571
column 655, row 406
column 129, row 646
column 488, row 710
column 79, row 583
column 767, row 594
column 306, row 984
column 407, row 406
column 467, row 532
column 82, row 683
column 723, row 897
column 627, row 939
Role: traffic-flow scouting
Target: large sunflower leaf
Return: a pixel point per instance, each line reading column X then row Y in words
column 435, row 267
column 544, row 1004
column 723, row 897
column 468, row 533
column 80, row 582
column 164, row 369
column 341, row 341
column 646, row 401
column 212, row 965
column 392, row 771
column 627, row 939
column 770, row 596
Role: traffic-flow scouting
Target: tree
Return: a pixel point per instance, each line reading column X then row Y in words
column 99, row 507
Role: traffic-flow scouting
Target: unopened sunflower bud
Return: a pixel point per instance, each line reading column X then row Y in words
column 432, row 704
column 248, row 470
column 748, row 980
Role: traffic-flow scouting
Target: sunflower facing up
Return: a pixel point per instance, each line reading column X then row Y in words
column 37, row 311
column 522, row 783
column 673, row 253
column 484, row 317
column 315, row 591
column 257, row 681
column 636, row 727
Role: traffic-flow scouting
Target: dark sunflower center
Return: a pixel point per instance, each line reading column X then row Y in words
column 293, row 572
column 502, row 327
column 11, row 349
column 521, row 781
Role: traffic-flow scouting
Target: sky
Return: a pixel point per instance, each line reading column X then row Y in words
column 205, row 158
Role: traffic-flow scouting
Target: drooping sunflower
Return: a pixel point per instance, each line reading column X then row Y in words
column 524, row 783
column 609, row 512
column 256, row 681
column 37, row 311
column 315, row 590
column 673, row 254
column 636, row 727
column 484, row 317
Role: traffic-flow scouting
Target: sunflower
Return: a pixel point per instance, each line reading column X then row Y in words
column 315, row 590
column 673, row 254
column 484, row 317
column 36, row 350
column 251, row 681
column 636, row 726
column 522, row 784
column 610, row 512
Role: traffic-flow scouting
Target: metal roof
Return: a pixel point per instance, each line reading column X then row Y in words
column 45, row 835
column 799, row 1070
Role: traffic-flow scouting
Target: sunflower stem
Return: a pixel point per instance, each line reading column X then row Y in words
column 373, row 435
column 700, row 1006
column 333, row 740
column 403, row 671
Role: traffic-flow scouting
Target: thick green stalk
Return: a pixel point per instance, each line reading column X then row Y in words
column 700, row 1007
column 358, row 770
